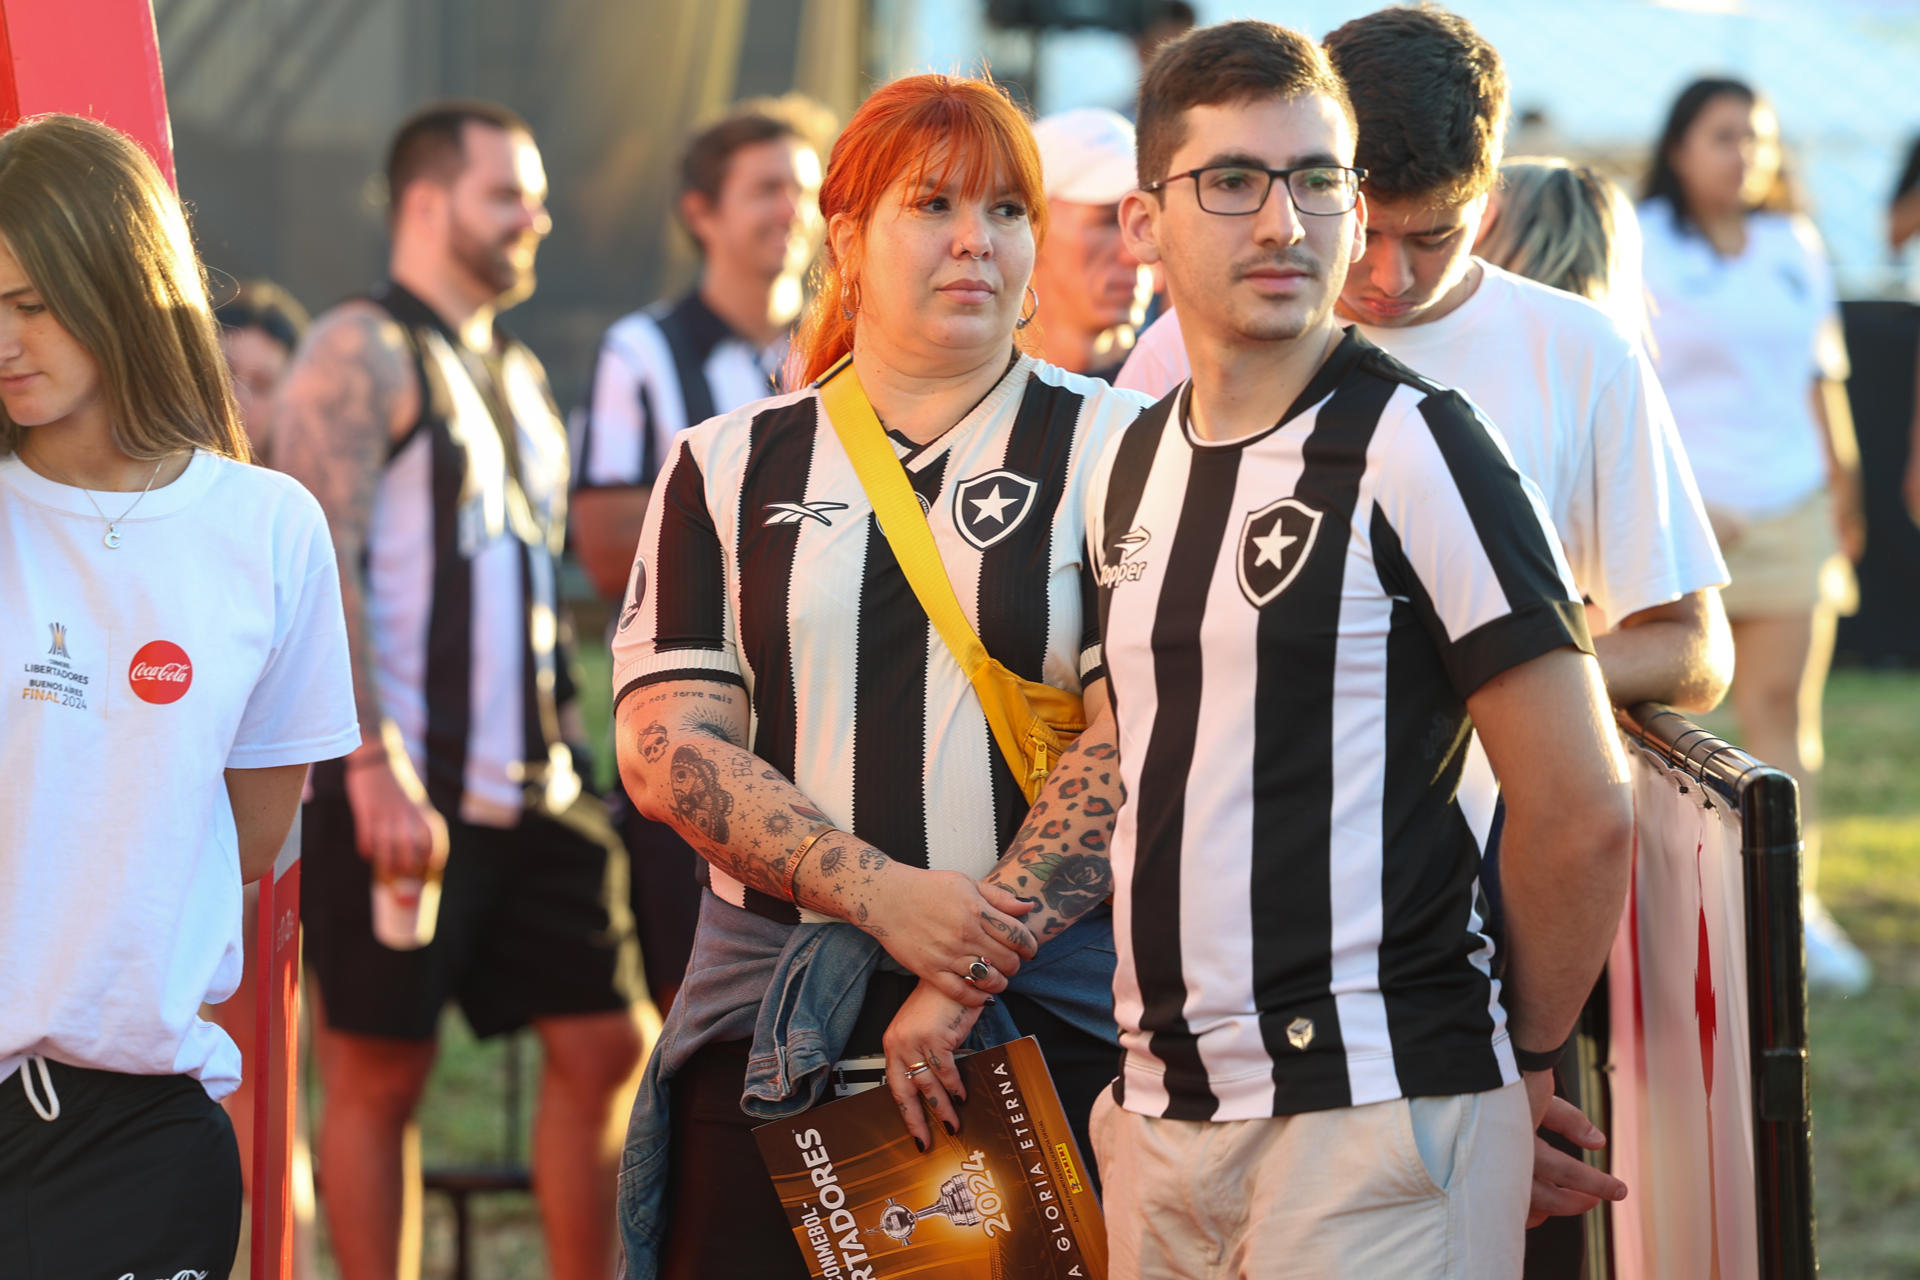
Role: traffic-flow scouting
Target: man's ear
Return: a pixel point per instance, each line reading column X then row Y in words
column 419, row 202
column 1140, row 225
column 1358, row 248
column 696, row 212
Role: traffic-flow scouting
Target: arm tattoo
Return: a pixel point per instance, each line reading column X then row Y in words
column 685, row 761
column 1060, row 857
column 698, row 796
column 714, row 727
column 335, row 413
column 1074, row 882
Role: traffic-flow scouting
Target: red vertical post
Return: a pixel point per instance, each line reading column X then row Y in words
column 93, row 58
column 276, row 1054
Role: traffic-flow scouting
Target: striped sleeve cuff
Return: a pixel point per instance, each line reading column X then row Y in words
column 656, row 666
column 1093, row 665
column 1518, row 637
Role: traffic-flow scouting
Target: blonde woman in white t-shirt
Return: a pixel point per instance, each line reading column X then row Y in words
column 173, row 656
column 1752, row 359
column 1569, row 227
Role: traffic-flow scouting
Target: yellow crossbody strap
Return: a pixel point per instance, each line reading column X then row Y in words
column 1032, row 723
column 901, row 518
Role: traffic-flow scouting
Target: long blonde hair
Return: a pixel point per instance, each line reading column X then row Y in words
column 1571, row 227
column 103, row 240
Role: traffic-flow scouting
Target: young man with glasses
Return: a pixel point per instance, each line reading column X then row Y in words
column 1312, row 566
column 1572, row 392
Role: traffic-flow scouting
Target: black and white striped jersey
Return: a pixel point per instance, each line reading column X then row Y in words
column 762, row 565
column 658, row 372
column 460, row 562
column 1291, row 624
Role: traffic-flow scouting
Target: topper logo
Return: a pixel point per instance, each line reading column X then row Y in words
column 161, row 672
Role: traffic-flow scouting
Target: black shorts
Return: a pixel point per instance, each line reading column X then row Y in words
column 534, row 923
column 666, row 892
column 137, row 1175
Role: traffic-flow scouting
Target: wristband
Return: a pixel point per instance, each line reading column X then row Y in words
column 805, row 847
column 1546, row 1060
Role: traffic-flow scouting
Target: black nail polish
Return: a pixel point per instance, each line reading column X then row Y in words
column 952, row 1130
column 919, row 1144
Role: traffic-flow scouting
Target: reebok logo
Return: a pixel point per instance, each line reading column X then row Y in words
column 780, row 513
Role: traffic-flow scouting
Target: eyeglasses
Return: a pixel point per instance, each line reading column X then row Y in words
column 1237, row 190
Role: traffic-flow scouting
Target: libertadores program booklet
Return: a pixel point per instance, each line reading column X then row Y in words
column 1008, row 1198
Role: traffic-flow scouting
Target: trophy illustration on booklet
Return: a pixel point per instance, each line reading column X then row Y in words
column 1007, row 1197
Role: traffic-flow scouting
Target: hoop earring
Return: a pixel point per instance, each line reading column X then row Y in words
column 1027, row 319
column 847, row 312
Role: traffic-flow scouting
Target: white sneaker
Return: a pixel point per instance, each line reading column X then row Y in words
column 1834, row 965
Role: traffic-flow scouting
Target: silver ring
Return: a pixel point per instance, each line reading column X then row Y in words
column 979, row 971
column 916, row 1069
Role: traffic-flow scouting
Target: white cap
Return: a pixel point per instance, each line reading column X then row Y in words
column 1086, row 155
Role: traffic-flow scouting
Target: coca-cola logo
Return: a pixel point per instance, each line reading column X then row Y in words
column 161, row 672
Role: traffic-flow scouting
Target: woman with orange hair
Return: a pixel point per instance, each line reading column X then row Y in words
column 784, row 701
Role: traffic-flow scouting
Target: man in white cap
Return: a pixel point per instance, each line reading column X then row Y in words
column 1092, row 292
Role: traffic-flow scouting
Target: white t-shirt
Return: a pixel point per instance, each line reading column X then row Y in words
column 1739, row 342
column 1576, row 400
column 210, row 638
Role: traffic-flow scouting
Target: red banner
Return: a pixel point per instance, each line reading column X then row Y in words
column 94, row 58
column 1681, row 1081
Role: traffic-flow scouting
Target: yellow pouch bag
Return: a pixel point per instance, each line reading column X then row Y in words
column 1032, row 722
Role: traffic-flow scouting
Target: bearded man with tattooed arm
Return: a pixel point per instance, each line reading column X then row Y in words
column 427, row 433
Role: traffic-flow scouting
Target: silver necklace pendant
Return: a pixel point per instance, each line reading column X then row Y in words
column 112, row 536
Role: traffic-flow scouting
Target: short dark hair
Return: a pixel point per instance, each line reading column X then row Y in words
column 1663, row 180
column 1240, row 61
column 1430, row 95
column 703, row 165
column 264, row 305
column 431, row 143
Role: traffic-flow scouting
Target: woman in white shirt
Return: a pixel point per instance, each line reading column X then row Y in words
column 174, row 656
column 1751, row 355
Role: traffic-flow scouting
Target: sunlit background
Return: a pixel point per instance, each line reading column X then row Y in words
column 281, row 110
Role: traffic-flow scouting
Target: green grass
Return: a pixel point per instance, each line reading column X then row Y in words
column 1866, row 1090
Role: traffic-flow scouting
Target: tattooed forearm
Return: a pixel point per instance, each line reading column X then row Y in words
column 347, row 389
column 698, row 797
column 1060, row 856
column 684, row 762
column 715, row 727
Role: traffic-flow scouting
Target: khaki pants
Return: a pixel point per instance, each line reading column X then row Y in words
column 1427, row 1187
